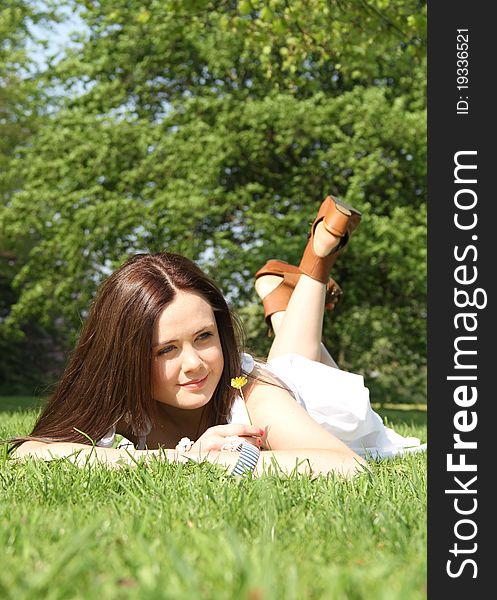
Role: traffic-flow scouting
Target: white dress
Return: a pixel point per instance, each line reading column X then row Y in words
column 338, row 401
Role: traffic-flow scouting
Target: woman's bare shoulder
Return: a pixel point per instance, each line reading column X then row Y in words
column 262, row 376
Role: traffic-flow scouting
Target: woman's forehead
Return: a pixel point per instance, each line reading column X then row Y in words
column 185, row 315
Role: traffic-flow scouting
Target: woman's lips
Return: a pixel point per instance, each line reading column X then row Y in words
column 194, row 385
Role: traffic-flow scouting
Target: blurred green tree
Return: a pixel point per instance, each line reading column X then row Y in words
column 215, row 129
column 23, row 101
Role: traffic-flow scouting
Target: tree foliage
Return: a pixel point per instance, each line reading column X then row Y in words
column 23, row 102
column 215, row 129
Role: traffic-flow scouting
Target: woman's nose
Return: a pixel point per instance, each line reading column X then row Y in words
column 191, row 360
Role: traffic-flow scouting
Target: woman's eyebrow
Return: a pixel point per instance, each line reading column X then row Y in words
column 209, row 326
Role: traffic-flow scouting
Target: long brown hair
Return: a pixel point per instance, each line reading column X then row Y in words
column 108, row 376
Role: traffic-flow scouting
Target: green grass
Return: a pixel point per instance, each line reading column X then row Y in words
column 190, row 531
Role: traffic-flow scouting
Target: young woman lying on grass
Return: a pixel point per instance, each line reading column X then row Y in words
column 159, row 362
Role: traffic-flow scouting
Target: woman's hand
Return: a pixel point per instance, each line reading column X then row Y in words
column 215, row 437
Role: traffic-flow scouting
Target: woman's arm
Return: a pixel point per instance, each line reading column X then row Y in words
column 307, row 461
column 289, row 426
column 83, row 453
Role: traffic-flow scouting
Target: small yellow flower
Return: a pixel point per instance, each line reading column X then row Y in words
column 238, row 382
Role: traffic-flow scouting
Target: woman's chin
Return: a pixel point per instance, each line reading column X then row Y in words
column 192, row 401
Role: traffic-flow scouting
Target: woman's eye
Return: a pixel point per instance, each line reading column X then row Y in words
column 205, row 335
column 165, row 350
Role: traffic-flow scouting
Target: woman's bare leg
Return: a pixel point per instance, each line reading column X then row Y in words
column 299, row 329
column 325, row 358
column 302, row 327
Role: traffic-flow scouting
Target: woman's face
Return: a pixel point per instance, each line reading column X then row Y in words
column 187, row 358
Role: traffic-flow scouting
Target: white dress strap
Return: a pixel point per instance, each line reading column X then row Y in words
column 108, row 440
column 248, row 363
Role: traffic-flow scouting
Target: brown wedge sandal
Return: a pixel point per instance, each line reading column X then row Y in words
column 340, row 219
column 278, row 299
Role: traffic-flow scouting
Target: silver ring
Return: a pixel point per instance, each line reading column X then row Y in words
column 232, row 443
